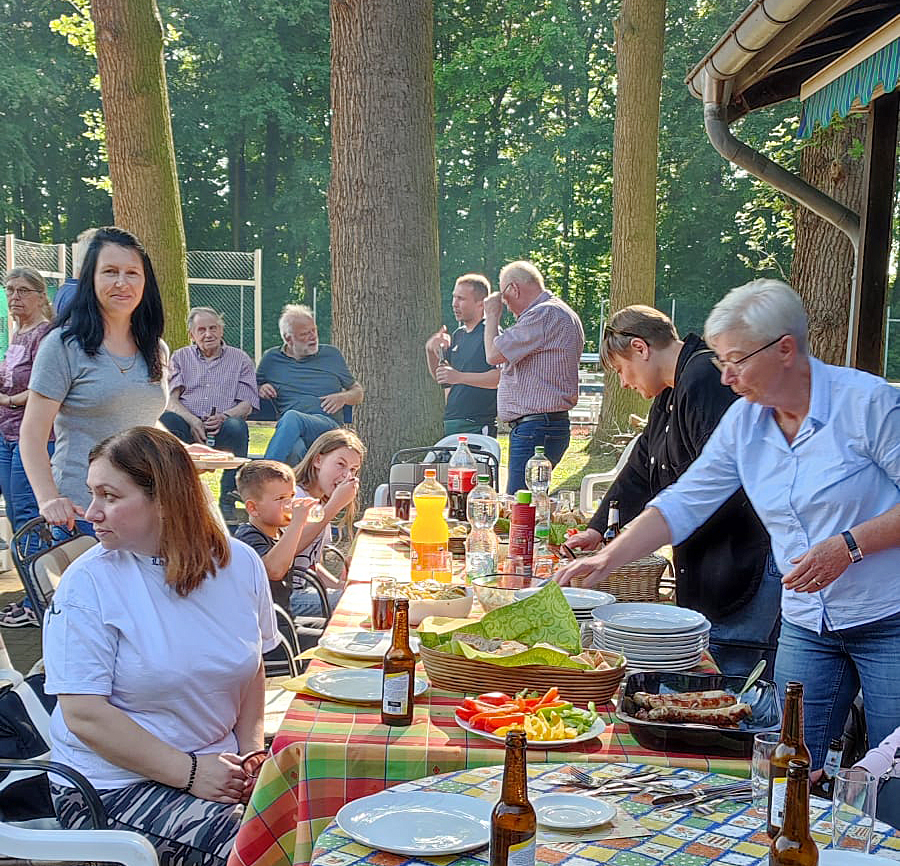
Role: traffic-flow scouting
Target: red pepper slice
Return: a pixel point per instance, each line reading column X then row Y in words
column 495, row 699
column 502, row 721
column 551, row 695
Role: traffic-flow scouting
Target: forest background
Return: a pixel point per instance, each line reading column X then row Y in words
column 525, row 95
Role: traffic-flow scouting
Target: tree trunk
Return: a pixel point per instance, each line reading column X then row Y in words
column 383, row 217
column 146, row 199
column 824, row 280
column 640, row 32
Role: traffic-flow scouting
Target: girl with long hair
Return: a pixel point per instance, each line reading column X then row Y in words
column 99, row 372
column 154, row 645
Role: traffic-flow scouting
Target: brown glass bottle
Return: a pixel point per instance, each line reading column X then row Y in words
column 794, row 846
column 612, row 522
column 398, row 677
column 790, row 746
column 513, row 822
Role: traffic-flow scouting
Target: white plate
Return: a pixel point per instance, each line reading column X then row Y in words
column 572, row 811
column 361, row 644
column 418, row 823
column 591, row 733
column 648, row 652
column 647, row 618
column 376, row 527
column 579, row 599
column 354, row 686
column 842, row 857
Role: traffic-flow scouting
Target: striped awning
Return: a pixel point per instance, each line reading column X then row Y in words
column 877, row 74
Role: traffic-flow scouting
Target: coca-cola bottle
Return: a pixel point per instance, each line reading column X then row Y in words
column 461, row 473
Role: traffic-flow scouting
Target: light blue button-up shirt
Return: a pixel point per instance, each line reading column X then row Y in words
column 842, row 469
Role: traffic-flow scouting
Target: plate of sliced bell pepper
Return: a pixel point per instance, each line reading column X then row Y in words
column 549, row 721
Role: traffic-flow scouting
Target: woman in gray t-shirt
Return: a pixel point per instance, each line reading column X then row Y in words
column 99, row 372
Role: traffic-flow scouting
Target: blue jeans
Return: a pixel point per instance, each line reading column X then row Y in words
column 295, row 432
column 832, row 666
column 233, row 436
column 740, row 640
column 21, row 506
column 306, row 602
column 552, row 433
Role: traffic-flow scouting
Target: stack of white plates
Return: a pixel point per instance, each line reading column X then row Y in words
column 658, row 637
column 582, row 601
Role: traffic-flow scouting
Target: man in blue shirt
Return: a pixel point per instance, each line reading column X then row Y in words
column 309, row 383
column 817, row 450
column 66, row 291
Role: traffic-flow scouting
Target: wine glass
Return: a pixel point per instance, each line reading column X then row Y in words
column 853, row 809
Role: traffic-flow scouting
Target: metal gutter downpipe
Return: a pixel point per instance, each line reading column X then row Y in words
column 715, row 117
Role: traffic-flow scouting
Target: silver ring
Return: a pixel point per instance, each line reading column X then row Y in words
column 817, row 582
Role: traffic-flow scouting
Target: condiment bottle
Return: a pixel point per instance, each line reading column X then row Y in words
column 794, row 845
column 513, row 821
column 398, row 676
column 521, row 529
column 790, row 746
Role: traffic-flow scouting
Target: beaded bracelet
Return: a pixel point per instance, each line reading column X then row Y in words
column 190, row 783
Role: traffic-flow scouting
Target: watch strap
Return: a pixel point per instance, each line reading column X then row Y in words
column 852, row 547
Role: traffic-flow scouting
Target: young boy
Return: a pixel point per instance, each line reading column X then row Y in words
column 277, row 520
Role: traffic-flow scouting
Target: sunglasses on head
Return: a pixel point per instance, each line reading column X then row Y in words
column 610, row 331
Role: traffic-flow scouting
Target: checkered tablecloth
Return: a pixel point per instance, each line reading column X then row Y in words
column 326, row 754
column 733, row 835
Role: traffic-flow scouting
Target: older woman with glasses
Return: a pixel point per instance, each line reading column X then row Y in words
column 817, row 448
column 723, row 570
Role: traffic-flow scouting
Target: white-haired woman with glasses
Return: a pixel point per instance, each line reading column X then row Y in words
column 817, row 449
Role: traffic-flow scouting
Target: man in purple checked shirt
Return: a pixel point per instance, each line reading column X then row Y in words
column 212, row 390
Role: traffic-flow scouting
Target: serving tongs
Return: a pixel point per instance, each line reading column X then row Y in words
column 702, row 795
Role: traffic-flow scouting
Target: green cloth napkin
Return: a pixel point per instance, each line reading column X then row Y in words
column 544, row 617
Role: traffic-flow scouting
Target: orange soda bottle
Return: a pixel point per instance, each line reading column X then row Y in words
column 429, row 535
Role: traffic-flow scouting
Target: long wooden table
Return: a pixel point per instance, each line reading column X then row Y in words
column 326, row 753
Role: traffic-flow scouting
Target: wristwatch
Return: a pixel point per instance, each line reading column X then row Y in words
column 852, row 547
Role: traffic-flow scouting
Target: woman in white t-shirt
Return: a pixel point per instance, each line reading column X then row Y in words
column 153, row 643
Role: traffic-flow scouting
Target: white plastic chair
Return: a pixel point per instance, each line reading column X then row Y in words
column 595, row 479
column 115, row 846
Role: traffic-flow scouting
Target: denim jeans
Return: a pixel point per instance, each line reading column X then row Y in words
column 294, row 433
column 21, row 506
column 233, row 436
column 737, row 642
column 306, row 602
column 553, row 434
column 832, row 666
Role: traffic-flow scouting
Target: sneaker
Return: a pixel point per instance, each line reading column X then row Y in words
column 12, row 607
column 24, row 616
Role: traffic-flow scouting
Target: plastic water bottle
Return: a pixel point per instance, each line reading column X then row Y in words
column 538, row 472
column 482, row 547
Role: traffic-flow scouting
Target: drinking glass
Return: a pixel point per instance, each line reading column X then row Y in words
column 763, row 746
column 316, row 513
column 566, row 500
column 402, row 502
column 384, row 591
column 853, row 809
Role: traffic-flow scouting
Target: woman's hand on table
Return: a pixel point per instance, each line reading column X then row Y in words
column 591, row 570
column 221, row 778
column 61, row 511
column 820, row 566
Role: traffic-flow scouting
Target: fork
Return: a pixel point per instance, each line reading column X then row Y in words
column 588, row 781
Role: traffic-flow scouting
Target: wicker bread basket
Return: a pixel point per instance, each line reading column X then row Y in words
column 634, row 581
column 460, row 674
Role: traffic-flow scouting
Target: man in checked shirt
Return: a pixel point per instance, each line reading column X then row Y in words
column 538, row 358
column 212, row 390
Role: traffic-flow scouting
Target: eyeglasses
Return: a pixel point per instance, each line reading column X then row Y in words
column 721, row 365
column 610, row 331
column 22, row 293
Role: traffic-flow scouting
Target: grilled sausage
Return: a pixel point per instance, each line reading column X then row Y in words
column 721, row 717
column 709, row 700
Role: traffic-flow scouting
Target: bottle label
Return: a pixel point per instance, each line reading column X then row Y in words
column 522, row 853
column 395, row 694
column 460, row 480
column 612, row 517
column 832, row 762
column 776, row 801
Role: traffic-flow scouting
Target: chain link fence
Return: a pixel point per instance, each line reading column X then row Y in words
column 230, row 282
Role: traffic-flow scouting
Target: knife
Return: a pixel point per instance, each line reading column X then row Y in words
column 695, row 793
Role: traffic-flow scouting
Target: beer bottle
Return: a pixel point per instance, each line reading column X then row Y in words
column 825, row 786
column 790, row 746
column 398, row 677
column 513, row 822
column 612, row 522
column 794, row 846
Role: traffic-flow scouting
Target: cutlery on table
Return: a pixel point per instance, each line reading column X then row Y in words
column 702, row 795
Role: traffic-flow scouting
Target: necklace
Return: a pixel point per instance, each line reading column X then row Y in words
column 119, row 367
